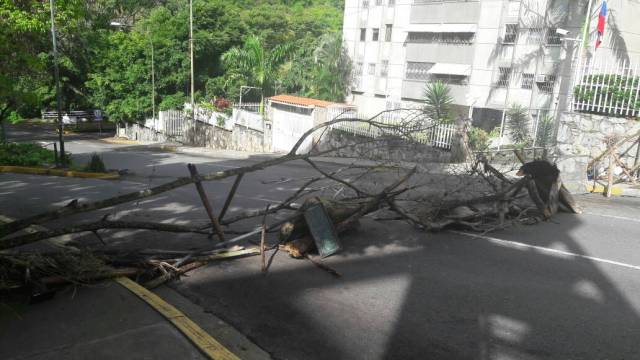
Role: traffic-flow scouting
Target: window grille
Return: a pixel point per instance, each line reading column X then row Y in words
column 418, row 70
column 359, row 68
column 534, row 36
column 527, row 81
column 392, row 3
column 387, row 32
column 365, row 4
column 553, row 38
column 510, row 34
column 375, row 34
column 363, row 34
column 504, row 76
column 548, row 84
column 384, row 68
column 378, row 2
column 456, row 38
column 372, row 69
column 441, row 38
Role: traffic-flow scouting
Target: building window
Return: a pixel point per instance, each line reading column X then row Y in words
column 456, row 38
column 527, row 81
column 553, row 38
column 384, row 68
column 375, row 34
column 378, row 2
column 358, row 70
column 510, row 34
column 533, row 36
column 546, row 83
column 418, row 70
column 365, row 4
column 450, row 79
column 504, row 76
column 363, row 34
column 392, row 3
column 441, row 38
column 387, row 32
column 372, row 69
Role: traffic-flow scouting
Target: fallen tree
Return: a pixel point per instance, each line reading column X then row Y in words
column 486, row 199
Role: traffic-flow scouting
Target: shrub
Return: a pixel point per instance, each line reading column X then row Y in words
column 95, row 164
column 25, row 154
column 518, row 125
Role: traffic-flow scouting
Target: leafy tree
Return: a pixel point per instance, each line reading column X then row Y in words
column 438, row 102
column 544, row 136
column 258, row 65
column 518, row 125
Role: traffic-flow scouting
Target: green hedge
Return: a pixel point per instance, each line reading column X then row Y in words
column 25, row 154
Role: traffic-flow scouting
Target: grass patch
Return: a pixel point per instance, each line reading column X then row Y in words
column 25, row 154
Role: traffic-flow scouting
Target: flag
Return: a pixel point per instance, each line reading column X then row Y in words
column 602, row 17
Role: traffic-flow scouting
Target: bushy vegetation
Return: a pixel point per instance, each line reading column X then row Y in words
column 109, row 68
column 480, row 139
column 610, row 89
column 518, row 124
column 25, row 154
column 95, row 164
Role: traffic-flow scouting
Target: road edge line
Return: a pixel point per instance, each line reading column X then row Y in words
column 200, row 338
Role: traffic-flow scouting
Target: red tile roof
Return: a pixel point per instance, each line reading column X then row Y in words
column 297, row 100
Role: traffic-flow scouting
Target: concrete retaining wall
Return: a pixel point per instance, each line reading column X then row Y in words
column 391, row 149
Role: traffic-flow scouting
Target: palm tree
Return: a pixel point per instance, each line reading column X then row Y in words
column 438, row 101
column 259, row 66
column 518, row 125
column 333, row 68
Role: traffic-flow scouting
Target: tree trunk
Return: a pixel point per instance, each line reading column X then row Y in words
column 460, row 144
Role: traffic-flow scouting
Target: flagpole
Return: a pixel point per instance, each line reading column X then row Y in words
column 585, row 30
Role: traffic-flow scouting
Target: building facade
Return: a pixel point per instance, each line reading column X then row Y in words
column 492, row 53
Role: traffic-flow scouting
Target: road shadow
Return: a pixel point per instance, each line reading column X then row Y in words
column 404, row 294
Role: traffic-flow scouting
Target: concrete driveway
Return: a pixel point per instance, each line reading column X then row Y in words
column 563, row 289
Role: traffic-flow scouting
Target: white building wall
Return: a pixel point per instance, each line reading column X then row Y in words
column 375, row 92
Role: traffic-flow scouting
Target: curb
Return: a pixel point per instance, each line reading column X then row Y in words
column 58, row 172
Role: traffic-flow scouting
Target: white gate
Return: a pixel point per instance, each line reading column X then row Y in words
column 288, row 127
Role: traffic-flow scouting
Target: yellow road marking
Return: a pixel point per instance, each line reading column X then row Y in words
column 207, row 344
column 615, row 190
column 57, row 172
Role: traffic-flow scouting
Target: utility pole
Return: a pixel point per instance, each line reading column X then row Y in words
column 153, row 86
column 63, row 156
column 193, row 109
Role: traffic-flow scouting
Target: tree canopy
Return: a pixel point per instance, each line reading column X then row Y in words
column 109, row 67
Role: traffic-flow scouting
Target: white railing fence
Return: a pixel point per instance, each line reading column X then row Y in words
column 607, row 86
column 411, row 124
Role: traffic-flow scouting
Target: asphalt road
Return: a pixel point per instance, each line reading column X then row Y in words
column 564, row 289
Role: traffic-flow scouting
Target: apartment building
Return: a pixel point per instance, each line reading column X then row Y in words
column 492, row 53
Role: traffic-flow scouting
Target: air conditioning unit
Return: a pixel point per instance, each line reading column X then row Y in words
column 541, row 78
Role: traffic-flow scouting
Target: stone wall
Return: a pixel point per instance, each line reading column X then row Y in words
column 581, row 138
column 139, row 133
column 390, row 149
column 197, row 133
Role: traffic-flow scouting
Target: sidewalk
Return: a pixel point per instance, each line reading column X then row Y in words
column 106, row 321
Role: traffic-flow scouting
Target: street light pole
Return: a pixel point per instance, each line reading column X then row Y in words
column 63, row 156
column 193, row 109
